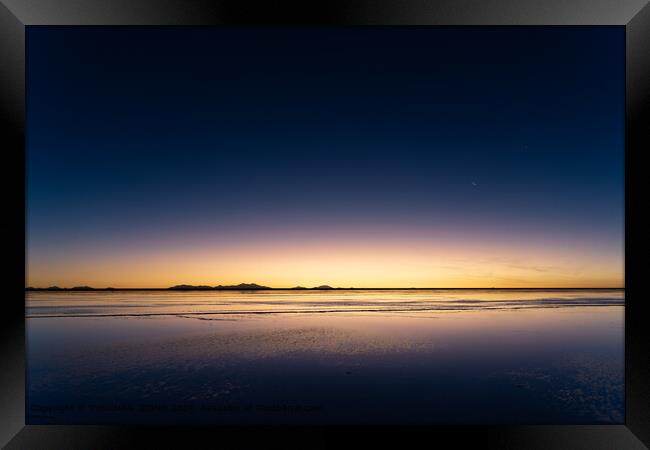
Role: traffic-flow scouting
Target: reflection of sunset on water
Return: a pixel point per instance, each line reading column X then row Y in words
column 440, row 356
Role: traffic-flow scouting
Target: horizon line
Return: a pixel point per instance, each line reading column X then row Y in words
column 299, row 288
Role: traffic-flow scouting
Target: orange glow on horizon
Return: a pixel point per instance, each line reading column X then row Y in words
column 371, row 263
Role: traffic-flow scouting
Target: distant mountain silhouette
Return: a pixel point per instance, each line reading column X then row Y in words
column 57, row 288
column 239, row 287
column 257, row 287
column 51, row 288
column 187, row 287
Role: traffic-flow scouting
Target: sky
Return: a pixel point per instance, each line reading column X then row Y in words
column 365, row 157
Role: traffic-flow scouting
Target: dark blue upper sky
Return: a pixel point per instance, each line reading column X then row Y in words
column 185, row 132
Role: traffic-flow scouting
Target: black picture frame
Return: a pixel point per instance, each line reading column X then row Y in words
column 16, row 15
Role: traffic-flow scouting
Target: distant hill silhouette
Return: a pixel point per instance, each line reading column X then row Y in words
column 186, row 287
column 51, row 288
column 239, row 287
column 257, row 287
column 57, row 288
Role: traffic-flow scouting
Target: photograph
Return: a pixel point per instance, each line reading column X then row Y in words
column 325, row 225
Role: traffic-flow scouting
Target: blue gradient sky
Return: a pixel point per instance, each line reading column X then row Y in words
column 349, row 156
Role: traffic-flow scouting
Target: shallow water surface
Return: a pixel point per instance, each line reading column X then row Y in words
column 413, row 356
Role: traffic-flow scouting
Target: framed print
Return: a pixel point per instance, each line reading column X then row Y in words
column 292, row 223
